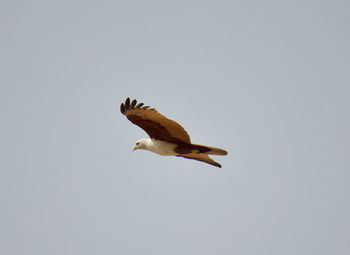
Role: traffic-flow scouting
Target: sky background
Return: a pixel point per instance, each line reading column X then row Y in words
column 266, row 80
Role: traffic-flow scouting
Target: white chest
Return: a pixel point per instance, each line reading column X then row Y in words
column 162, row 148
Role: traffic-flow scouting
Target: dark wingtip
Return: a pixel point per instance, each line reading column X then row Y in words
column 127, row 103
column 216, row 164
column 133, row 103
column 122, row 108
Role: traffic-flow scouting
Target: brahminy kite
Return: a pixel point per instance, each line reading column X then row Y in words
column 166, row 136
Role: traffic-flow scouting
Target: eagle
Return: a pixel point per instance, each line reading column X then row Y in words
column 166, row 137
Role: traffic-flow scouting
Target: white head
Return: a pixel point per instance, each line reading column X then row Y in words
column 141, row 144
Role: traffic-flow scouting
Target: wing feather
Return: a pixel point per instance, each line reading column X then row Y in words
column 133, row 103
column 201, row 157
column 127, row 103
column 139, row 105
column 153, row 123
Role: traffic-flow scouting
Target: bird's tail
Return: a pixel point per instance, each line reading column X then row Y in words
column 197, row 148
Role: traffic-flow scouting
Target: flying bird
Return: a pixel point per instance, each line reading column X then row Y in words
column 167, row 137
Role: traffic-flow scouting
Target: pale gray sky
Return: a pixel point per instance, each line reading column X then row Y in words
column 266, row 80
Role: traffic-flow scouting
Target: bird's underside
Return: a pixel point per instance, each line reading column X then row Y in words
column 167, row 137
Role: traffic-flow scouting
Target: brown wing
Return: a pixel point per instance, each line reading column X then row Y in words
column 201, row 157
column 156, row 125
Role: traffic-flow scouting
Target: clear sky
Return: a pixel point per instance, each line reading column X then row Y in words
column 266, row 80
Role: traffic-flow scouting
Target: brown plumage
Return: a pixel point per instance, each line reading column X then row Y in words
column 160, row 128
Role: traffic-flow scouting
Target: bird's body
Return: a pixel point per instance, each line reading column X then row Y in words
column 167, row 137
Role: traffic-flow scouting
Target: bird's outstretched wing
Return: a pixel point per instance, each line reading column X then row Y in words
column 156, row 125
column 201, row 157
